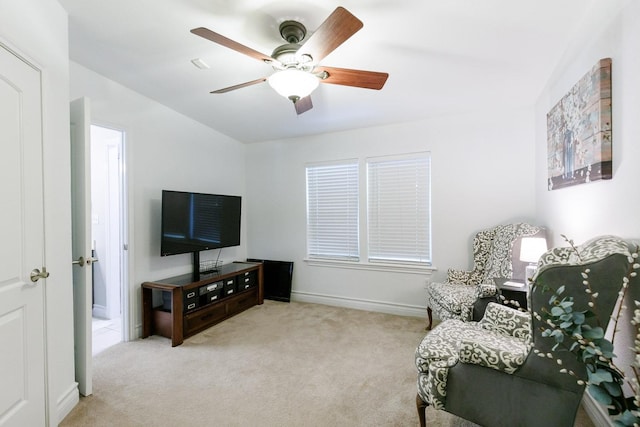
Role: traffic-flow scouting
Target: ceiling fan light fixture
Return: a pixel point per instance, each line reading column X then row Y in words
column 293, row 83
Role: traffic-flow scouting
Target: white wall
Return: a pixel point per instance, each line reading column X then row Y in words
column 164, row 150
column 47, row 47
column 606, row 206
column 482, row 175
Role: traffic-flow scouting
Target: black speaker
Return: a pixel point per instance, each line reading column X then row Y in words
column 277, row 278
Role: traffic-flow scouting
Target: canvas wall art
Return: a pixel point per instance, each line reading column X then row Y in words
column 579, row 131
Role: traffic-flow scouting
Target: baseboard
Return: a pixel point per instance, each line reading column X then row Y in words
column 596, row 412
column 360, row 304
column 137, row 332
column 66, row 403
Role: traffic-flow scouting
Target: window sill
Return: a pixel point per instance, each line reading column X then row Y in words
column 371, row 266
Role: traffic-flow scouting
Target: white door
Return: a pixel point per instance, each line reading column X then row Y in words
column 22, row 361
column 81, row 240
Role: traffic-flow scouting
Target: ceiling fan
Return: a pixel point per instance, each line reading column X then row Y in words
column 296, row 64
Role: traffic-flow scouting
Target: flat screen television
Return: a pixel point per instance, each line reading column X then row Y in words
column 194, row 222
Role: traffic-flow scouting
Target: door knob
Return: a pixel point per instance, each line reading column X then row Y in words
column 81, row 261
column 37, row 274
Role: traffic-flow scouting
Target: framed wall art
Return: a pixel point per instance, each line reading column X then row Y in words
column 579, row 131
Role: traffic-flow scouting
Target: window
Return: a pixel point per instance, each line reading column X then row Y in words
column 396, row 224
column 398, row 209
column 332, row 211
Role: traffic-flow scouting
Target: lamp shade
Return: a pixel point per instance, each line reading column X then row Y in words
column 531, row 248
column 292, row 83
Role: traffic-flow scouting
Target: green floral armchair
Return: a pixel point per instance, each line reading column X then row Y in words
column 501, row 370
column 495, row 254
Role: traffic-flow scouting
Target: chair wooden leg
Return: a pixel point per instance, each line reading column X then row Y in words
column 430, row 316
column 422, row 408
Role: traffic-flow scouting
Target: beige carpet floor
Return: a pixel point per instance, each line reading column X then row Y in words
column 279, row 364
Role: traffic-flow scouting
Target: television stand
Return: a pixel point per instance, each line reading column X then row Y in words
column 195, row 305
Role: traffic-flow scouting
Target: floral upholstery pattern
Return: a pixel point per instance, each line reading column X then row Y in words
column 589, row 251
column 452, row 300
column 507, row 321
column 505, row 344
column 437, row 352
column 499, row 262
column 492, row 257
column 482, row 242
column 469, row 368
column 484, row 290
column 494, row 350
column 501, row 341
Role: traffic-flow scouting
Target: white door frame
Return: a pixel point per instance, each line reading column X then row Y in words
column 125, row 308
column 125, row 216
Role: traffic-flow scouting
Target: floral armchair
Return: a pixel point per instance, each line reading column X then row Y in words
column 495, row 254
column 501, row 370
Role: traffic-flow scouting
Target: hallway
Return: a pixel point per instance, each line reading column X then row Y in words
column 106, row 332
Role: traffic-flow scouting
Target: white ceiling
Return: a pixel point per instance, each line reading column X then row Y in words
column 442, row 56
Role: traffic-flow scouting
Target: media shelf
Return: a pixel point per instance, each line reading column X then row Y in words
column 191, row 306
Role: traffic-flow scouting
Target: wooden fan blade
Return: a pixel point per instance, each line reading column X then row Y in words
column 231, row 44
column 239, row 86
column 303, row 104
column 334, row 31
column 356, row 78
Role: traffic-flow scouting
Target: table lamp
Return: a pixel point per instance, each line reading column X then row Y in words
column 530, row 251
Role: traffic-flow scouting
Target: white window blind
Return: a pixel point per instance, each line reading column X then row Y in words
column 399, row 209
column 332, row 211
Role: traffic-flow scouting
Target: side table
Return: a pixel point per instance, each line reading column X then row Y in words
column 514, row 292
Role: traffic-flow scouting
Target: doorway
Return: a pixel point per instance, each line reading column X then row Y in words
column 107, row 237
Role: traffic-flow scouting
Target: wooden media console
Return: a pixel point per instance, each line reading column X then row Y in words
column 191, row 306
